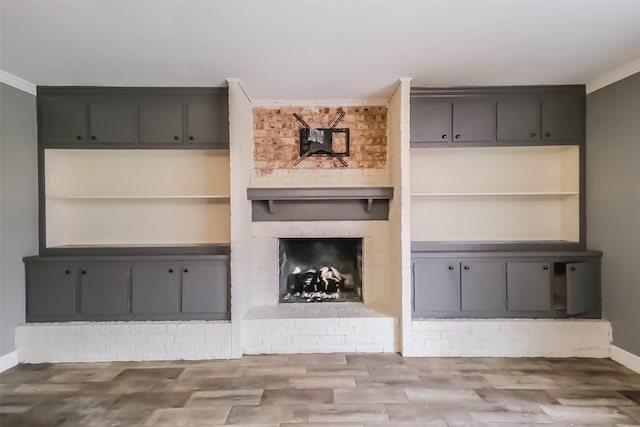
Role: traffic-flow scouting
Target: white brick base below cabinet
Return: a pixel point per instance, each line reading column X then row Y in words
column 321, row 335
column 123, row 341
column 508, row 338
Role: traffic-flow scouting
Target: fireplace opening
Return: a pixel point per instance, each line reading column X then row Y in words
column 320, row 270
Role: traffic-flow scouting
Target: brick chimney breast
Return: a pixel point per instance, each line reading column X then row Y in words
column 276, row 137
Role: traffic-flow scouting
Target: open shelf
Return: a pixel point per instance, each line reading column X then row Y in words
column 505, row 194
column 128, row 198
column 495, row 194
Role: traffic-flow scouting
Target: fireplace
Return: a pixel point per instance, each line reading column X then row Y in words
column 320, row 270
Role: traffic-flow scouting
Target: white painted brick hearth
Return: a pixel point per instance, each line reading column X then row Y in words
column 508, row 338
column 319, row 328
column 123, row 341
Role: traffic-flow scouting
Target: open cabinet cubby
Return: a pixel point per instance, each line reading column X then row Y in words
column 119, row 198
column 495, row 194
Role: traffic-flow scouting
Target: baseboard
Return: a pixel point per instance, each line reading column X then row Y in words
column 8, row 361
column 625, row 358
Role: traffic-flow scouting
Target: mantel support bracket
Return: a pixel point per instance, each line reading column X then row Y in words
column 369, row 205
column 272, row 206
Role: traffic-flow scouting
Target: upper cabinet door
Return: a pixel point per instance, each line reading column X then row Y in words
column 161, row 123
column 208, row 122
column 63, row 121
column 474, row 121
column 518, row 121
column 430, row 120
column 562, row 118
column 114, row 123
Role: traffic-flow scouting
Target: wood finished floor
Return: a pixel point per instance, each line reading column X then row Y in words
column 317, row 390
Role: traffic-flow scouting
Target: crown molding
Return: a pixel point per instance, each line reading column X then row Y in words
column 17, row 82
column 614, row 75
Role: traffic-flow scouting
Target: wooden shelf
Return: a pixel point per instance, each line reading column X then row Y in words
column 129, row 196
column 501, row 194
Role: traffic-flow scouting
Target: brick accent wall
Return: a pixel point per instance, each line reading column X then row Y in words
column 276, row 137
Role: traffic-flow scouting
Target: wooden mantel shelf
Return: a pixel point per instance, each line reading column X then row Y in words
column 320, row 203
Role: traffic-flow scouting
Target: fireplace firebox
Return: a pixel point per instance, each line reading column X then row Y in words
column 320, row 270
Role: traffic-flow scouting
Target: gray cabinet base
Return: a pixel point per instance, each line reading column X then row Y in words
column 559, row 284
column 120, row 288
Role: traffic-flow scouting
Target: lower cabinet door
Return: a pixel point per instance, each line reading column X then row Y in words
column 436, row 286
column 104, row 289
column 483, row 286
column 529, row 286
column 205, row 288
column 51, row 291
column 155, row 288
column 583, row 288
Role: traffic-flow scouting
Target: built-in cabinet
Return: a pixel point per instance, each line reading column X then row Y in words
column 127, row 288
column 72, row 117
column 494, row 170
column 490, row 284
column 502, row 116
column 134, row 205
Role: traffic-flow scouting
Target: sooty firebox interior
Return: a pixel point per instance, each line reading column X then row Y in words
column 320, row 269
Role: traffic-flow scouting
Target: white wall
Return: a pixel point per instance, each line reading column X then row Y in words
column 241, row 165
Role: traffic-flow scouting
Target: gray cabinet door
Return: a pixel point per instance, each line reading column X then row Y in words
column 430, row 121
column 205, row 287
column 518, row 120
column 155, row 288
column 583, row 288
column 51, row 291
column 161, row 123
column 208, row 123
column 113, row 123
column 474, row 121
column 562, row 118
column 529, row 286
column 436, row 286
column 63, row 121
column 104, row 289
column 483, row 286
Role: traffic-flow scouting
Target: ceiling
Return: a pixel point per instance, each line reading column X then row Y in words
column 314, row 49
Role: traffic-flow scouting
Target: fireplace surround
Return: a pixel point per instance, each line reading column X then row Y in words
column 320, row 270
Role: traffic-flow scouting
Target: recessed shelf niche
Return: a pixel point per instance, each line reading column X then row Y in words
column 136, row 197
column 501, row 194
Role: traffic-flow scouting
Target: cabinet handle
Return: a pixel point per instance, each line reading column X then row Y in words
column 93, row 137
column 458, row 136
column 171, row 270
column 444, row 136
column 546, row 267
column 176, row 138
column 547, row 134
column 78, row 137
column 466, row 267
column 191, row 138
column 451, row 267
column 573, row 269
column 186, row 270
column 67, row 272
column 84, row 272
column 533, row 135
